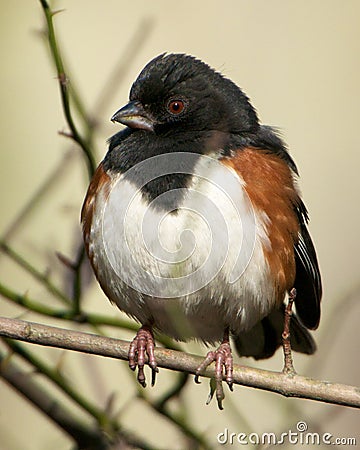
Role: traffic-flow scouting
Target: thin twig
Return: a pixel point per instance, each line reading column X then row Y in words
column 287, row 385
column 85, row 436
column 93, row 319
column 180, row 420
column 193, row 436
column 32, row 270
column 55, row 376
column 63, row 83
column 174, row 391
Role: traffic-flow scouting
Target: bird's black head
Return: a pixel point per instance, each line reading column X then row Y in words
column 176, row 93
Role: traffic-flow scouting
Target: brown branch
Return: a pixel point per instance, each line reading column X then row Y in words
column 281, row 383
column 84, row 435
column 88, row 436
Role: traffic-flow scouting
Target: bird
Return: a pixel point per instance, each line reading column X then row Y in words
column 194, row 224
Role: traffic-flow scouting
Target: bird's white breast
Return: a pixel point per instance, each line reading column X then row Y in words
column 192, row 271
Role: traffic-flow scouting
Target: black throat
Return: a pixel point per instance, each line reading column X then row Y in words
column 162, row 167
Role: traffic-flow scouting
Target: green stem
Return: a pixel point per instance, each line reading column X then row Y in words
column 177, row 420
column 89, row 437
column 63, row 82
column 40, row 308
column 84, row 318
column 32, row 305
column 44, row 280
column 85, row 436
column 174, row 391
column 56, row 377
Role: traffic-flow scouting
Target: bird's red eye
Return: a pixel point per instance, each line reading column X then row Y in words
column 176, row 106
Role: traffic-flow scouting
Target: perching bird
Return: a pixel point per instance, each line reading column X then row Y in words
column 193, row 222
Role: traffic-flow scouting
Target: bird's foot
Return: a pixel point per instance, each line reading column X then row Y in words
column 288, row 361
column 143, row 345
column 223, row 360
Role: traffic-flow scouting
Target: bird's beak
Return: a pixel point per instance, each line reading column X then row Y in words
column 133, row 115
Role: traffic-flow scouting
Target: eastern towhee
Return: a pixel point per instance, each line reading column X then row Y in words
column 193, row 222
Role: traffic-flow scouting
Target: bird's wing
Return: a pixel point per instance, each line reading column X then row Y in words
column 308, row 278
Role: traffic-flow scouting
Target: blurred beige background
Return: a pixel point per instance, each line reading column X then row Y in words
column 299, row 62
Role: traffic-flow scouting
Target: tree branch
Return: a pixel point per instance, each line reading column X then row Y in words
column 56, row 377
column 84, row 317
column 85, row 436
column 64, row 90
column 287, row 385
column 43, row 278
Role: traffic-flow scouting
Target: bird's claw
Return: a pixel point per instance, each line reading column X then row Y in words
column 141, row 346
column 223, row 360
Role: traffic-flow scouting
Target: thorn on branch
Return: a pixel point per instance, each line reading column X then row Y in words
column 58, row 11
column 66, row 261
column 63, row 79
column 67, row 134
